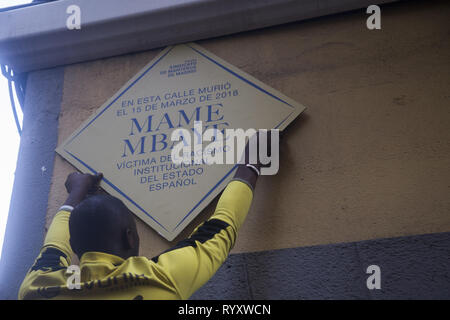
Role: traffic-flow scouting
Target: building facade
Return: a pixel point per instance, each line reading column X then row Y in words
column 364, row 172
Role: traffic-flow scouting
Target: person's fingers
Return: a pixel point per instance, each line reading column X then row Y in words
column 98, row 177
column 94, row 182
column 69, row 177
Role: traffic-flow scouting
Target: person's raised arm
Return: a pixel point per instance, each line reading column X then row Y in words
column 193, row 261
column 56, row 252
column 78, row 186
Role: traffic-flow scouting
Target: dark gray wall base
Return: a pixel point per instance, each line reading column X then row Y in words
column 24, row 233
column 414, row 267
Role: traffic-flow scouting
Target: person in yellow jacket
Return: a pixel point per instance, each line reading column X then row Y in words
column 101, row 231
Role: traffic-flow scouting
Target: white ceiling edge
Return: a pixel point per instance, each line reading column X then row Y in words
column 36, row 37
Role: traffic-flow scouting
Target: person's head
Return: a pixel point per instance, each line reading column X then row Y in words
column 103, row 223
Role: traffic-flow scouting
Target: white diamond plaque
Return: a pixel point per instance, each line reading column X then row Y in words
column 128, row 137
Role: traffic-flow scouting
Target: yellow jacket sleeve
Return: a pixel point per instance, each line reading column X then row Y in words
column 192, row 262
column 55, row 255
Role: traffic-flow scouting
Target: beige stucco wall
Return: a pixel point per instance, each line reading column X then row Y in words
column 369, row 158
